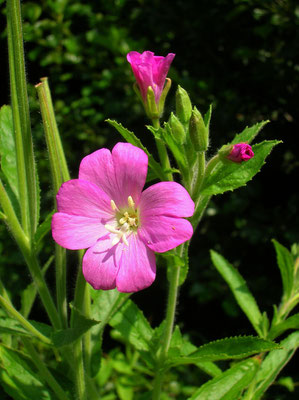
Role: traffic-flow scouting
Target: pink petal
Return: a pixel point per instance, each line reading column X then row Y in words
column 76, row 232
column 98, row 168
column 162, row 233
column 78, row 197
column 130, row 165
column 166, row 198
column 120, row 174
column 137, row 266
column 99, row 265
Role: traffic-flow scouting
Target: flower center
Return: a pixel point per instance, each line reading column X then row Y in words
column 127, row 222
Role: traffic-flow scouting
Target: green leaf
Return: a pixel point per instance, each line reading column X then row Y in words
column 105, row 304
column 43, row 229
column 207, row 116
column 131, row 138
column 285, row 263
column 134, row 328
column 274, row 363
column 8, row 150
column 240, row 290
column 68, row 336
column 11, row 326
column 230, row 176
column 28, row 295
column 225, row 349
column 290, row 323
column 167, row 136
column 229, row 384
column 18, row 378
column 179, row 346
column 249, row 133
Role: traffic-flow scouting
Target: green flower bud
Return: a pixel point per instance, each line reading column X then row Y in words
column 183, row 105
column 199, row 133
column 177, row 129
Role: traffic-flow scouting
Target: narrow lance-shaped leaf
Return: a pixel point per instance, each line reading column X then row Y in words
column 286, row 266
column 131, row 138
column 225, row 349
column 229, row 384
column 273, row 364
column 290, row 323
column 230, row 176
column 239, row 289
column 249, row 133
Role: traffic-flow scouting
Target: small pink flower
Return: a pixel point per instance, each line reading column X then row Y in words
column 150, row 70
column 106, row 211
column 240, row 152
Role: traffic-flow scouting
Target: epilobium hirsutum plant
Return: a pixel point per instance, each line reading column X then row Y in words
column 122, row 225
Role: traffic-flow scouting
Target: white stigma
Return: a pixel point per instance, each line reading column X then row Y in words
column 126, row 222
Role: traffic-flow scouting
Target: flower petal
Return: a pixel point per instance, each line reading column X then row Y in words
column 98, row 168
column 162, row 233
column 137, row 266
column 130, row 165
column 78, row 197
column 76, row 232
column 99, row 265
column 166, row 198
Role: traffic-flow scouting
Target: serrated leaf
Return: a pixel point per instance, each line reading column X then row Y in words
column 68, row 336
column 19, row 380
column 105, row 304
column 131, row 138
column 285, row 263
column 8, row 149
column 229, row 384
column 225, row 349
column 240, row 290
column 274, row 363
column 230, row 176
column 249, row 133
column 130, row 322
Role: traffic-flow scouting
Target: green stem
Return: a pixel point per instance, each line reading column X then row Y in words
column 79, row 371
column 198, row 175
column 30, row 257
column 22, row 188
column 19, row 93
column 169, row 322
column 44, row 371
column 9, row 308
column 59, row 173
column 163, row 155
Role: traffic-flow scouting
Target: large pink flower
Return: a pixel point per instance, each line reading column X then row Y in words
column 106, row 211
column 150, row 70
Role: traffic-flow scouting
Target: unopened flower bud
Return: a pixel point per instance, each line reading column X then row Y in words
column 183, row 105
column 236, row 153
column 177, row 128
column 199, row 133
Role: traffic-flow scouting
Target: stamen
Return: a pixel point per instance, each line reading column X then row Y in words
column 111, row 229
column 114, row 206
column 131, row 202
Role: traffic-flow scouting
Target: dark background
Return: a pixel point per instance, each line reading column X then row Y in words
column 242, row 56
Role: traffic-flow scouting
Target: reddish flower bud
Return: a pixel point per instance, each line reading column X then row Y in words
column 240, row 152
column 150, row 72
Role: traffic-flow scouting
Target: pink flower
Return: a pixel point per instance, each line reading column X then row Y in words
column 240, row 152
column 150, row 70
column 106, row 211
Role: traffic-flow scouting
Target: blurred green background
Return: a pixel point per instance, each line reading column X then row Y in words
column 240, row 55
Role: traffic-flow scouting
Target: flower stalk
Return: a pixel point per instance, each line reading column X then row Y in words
column 21, row 117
